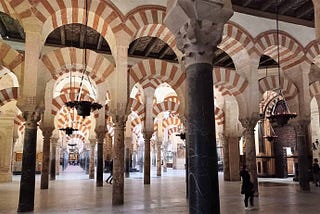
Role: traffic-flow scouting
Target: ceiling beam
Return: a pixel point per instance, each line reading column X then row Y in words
column 134, row 46
column 221, row 58
column 99, row 42
column 150, row 46
column 289, row 5
column 82, row 36
column 304, row 10
column 63, row 35
column 268, row 15
column 164, row 51
column 267, row 5
column 246, row 3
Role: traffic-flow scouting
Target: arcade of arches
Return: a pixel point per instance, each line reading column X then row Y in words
column 159, row 70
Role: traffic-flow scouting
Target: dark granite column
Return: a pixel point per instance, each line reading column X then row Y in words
column 118, row 161
column 53, row 158
column 100, row 138
column 47, row 133
column 249, row 124
column 198, row 31
column 27, row 182
column 147, row 137
column 159, row 158
column 301, row 128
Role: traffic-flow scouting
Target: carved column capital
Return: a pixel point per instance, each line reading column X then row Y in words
column 31, row 118
column 249, row 123
column 198, row 27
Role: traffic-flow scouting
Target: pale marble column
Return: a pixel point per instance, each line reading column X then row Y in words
column 225, row 145
column 164, row 152
column 249, row 124
column 92, row 153
column 234, row 158
column 118, row 161
column 47, row 133
column 6, row 145
column 198, row 31
column 301, row 128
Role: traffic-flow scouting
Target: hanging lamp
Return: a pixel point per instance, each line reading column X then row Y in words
column 280, row 112
column 83, row 107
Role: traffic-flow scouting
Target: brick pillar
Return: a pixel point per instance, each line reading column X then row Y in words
column 46, row 132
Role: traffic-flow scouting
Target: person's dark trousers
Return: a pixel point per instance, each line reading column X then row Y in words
column 248, row 196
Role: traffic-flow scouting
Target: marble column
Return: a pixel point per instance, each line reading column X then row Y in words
column 164, row 153
column 7, row 142
column 47, row 133
column 146, row 172
column 58, row 150
column 225, row 146
column 127, row 156
column 159, row 158
column 27, row 182
column 118, row 161
column 249, row 124
column 53, row 158
column 234, row 158
column 301, row 128
column 108, row 148
column 198, row 32
column 100, row 138
column 92, row 153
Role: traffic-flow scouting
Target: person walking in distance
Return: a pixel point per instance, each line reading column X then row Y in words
column 315, row 172
column 110, row 178
column 247, row 188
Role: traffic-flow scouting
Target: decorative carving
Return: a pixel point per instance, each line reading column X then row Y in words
column 31, row 118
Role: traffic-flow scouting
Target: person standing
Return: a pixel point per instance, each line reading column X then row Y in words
column 110, row 178
column 315, row 172
column 247, row 188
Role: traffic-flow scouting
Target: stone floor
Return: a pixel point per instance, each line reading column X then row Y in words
column 73, row 192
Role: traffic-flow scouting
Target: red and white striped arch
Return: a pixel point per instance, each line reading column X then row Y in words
column 289, row 90
column 267, row 102
column 65, row 96
column 219, row 115
column 171, row 121
column 8, row 95
column 12, row 60
column 64, row 60
column 19, row 121
column 76, row 136
column 21, row 9
column 315, row 88
column 165, row 106
column 5, row 7
column 102, row 16
column 236, row 39
column 157, row 69
column 139, row 108
column 291, row 51
column 173, row 130
column 313, row 52
column 229, row 81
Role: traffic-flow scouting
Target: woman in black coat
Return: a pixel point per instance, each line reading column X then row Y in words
column 247, row 187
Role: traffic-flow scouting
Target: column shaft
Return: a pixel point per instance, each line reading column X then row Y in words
column 146, row 171
column 159, row 159
column 46, row 132
column 91, row 164
column 203, row 170
column 234, row 158
column 118, row 164
column 27, row 182
column 53, row 159
column 100, row 163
